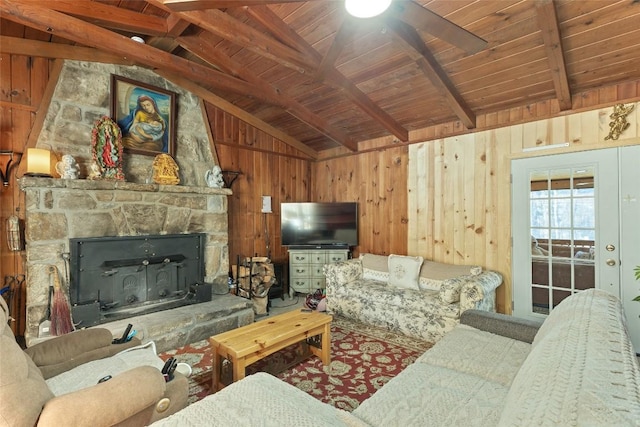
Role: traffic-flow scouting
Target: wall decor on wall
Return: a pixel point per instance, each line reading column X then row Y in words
column 106, row 149
column 146, row 115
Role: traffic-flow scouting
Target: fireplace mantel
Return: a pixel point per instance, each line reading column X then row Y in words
column 86, row 184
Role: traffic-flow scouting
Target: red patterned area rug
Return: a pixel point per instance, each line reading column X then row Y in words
column 363, row 359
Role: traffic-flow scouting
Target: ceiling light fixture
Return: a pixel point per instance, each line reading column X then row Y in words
column 366, row 8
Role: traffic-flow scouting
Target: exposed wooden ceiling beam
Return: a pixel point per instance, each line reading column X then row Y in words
column 238, row 112
column 74, row 29
column 414, row 45
column 332, row 76
column 70, row 28
column 548, row 23
column 269, row 20
column 108, row 16
column 39, row 49
column 175, row 27
column 205, row 49
column 229, row 28
column 18, row 46
column 225, row 26
column 342, row 37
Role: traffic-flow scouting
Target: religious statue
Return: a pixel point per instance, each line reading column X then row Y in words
column 165, row 170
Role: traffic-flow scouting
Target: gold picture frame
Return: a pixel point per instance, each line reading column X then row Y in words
column 146, row 116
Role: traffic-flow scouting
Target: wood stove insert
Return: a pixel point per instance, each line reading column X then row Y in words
column 119, row 277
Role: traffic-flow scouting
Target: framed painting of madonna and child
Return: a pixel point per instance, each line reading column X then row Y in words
column 146, row 116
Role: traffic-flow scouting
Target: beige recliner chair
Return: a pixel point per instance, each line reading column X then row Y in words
column 136, row 395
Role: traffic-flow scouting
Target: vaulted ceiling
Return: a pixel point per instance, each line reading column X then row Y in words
column 324, row 79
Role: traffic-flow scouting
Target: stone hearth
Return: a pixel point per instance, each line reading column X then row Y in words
column 175, row 328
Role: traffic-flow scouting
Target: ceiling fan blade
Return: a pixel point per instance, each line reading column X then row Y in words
column 425, row 20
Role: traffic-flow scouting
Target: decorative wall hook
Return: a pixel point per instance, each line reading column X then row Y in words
column 7, row 169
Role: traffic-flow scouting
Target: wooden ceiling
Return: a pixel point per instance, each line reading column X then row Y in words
column 309, row 71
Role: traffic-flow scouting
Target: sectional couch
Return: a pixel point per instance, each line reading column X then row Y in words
column 578, row 368
column 415, row 297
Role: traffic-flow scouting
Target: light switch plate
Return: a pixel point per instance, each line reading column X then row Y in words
column 266, row 204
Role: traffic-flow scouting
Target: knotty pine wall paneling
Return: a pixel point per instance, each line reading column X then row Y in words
column 377, row 180
column 459, row 187
column 268, row 167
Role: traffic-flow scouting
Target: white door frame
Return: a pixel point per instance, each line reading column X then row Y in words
column 606, row 181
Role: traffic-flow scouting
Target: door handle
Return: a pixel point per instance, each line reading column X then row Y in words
column 611, row 262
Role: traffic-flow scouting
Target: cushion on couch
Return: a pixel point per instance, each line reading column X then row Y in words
column 375, row 267
column 434, row 274
column 486, row 355
column 404, row 271
column 429, row 395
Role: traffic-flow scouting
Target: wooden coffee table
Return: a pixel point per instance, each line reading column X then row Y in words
column 248, row 344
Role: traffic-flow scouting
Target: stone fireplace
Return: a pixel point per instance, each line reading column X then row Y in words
column 59, row 210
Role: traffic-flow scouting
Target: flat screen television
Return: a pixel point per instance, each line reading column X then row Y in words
column 319, row 225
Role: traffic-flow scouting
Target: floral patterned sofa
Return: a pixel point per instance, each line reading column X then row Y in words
column 425, row 302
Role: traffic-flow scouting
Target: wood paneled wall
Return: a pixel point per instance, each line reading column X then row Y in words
column 377, row 180
column 22, row 85
column 267, row 167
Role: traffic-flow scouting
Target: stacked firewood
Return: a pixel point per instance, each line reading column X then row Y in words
column 254, row 276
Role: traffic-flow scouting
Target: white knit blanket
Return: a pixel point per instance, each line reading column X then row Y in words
column 260, row 400
column 90, row 373
column 581, row 371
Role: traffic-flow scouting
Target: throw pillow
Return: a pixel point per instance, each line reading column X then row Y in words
column 374, row 267
column 404, row 271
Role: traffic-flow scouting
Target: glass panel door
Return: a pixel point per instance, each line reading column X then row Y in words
column 565, row 228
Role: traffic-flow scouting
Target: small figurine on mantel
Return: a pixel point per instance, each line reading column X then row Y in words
column 95, row 172
column 68, row 167
column 214, row 177
column 165, row 170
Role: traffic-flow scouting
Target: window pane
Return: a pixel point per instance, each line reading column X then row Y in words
column 540, row 213
column 560, row 214
column 584, row 213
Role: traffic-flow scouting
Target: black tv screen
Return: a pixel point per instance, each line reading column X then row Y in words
column 319, row 224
